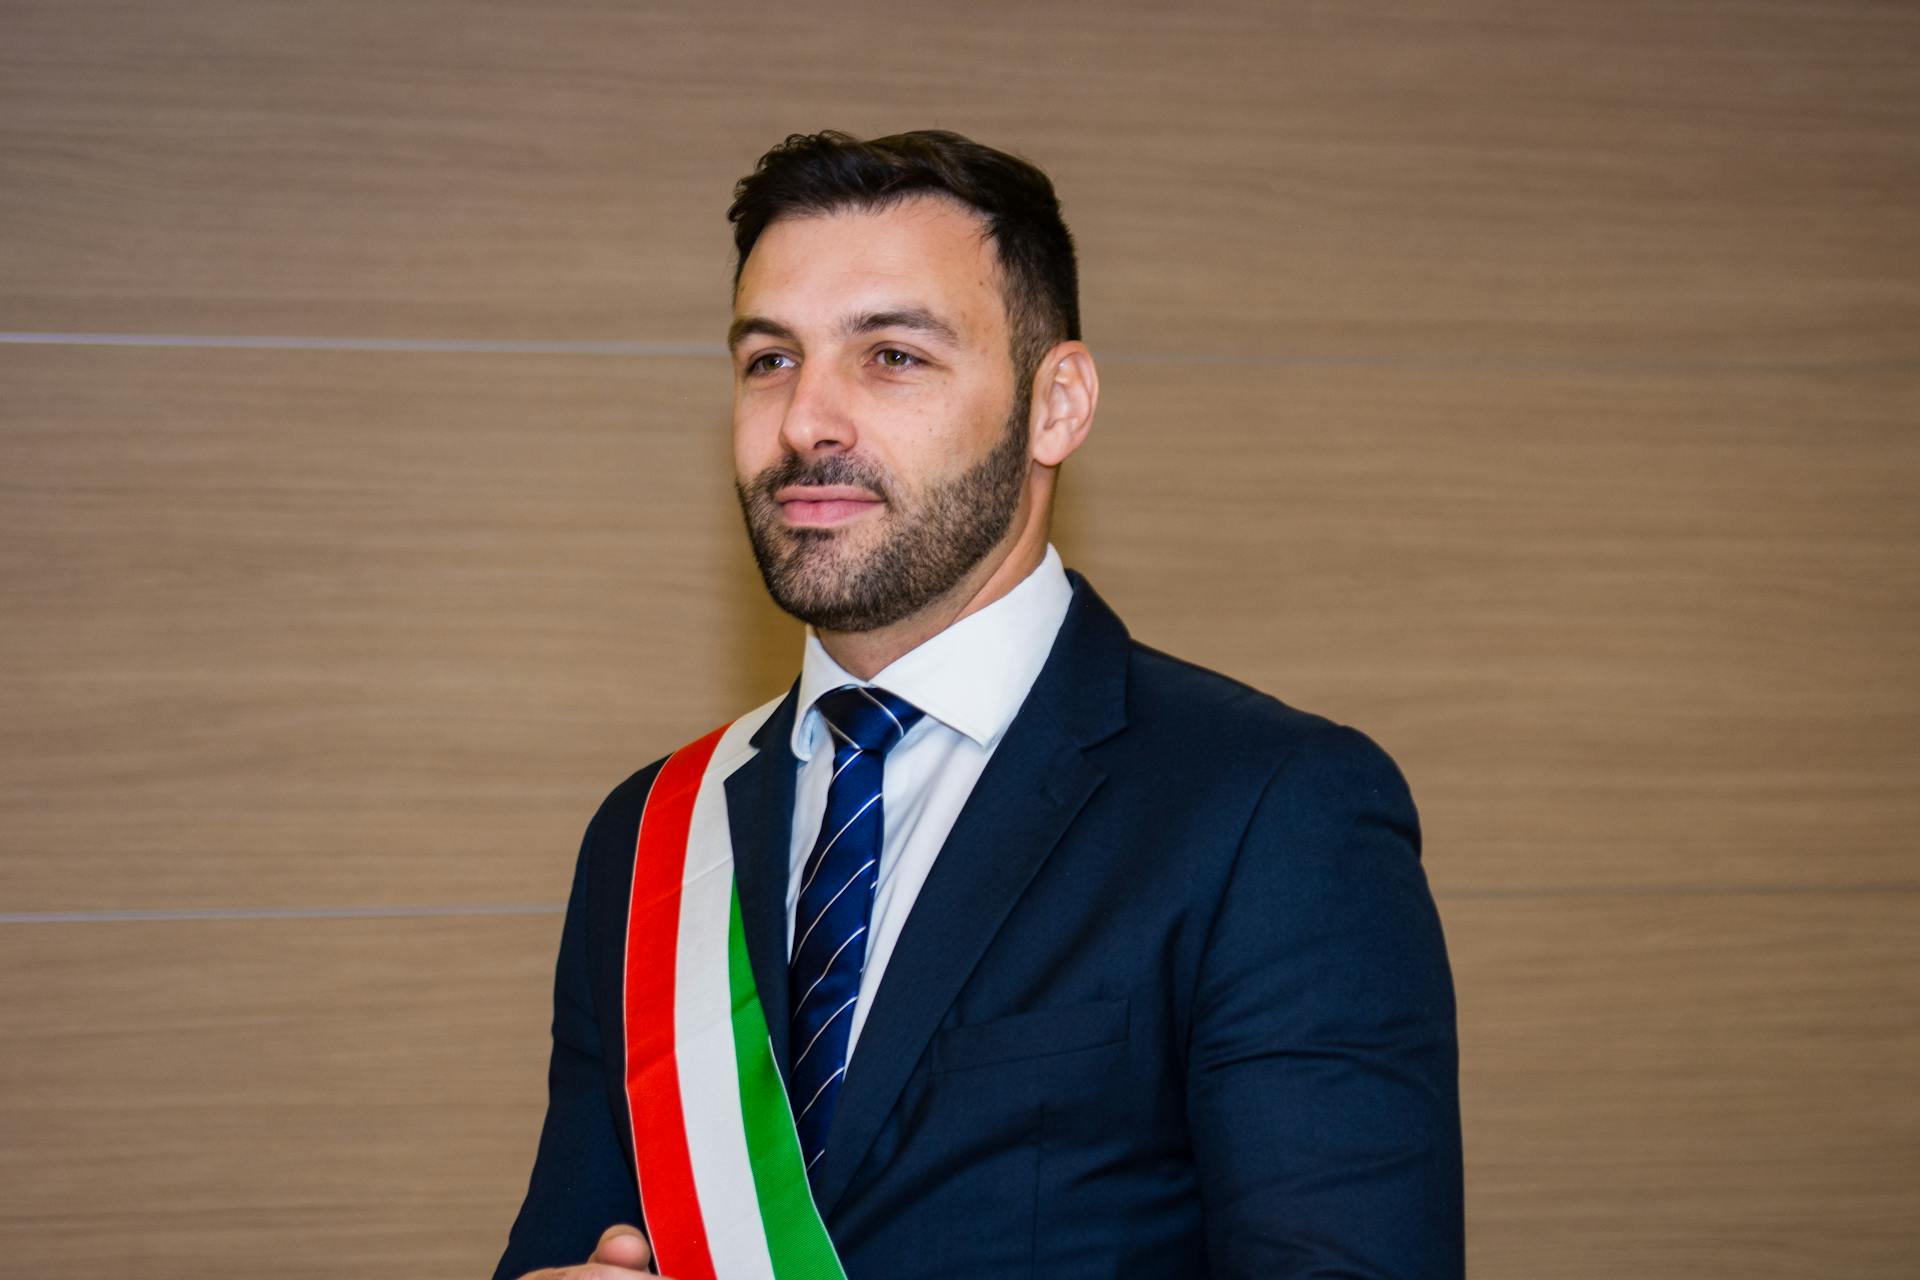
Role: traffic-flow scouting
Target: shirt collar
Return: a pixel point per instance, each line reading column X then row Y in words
column 972, row 677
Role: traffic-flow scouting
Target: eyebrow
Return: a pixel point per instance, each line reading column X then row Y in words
column 915, row 319
column 747, row 326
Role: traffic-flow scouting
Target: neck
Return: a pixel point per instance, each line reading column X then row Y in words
column 866, row 654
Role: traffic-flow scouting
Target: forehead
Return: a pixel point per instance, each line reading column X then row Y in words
column 927, row 251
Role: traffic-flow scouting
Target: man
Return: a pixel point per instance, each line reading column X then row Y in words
column 1103, row 964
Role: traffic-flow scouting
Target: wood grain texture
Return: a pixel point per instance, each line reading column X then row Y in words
column 1711, row 1086
column 308, row 1098
column 1704, row 1085
column 1532, row 385
column 330, row 628
column 1645, row 181
column 1619, row 630
column 353, row 629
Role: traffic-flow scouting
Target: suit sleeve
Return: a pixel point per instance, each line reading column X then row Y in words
column 1323, row 1085
column 581, row 1183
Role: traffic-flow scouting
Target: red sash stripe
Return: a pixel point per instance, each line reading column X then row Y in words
column 667, row 1193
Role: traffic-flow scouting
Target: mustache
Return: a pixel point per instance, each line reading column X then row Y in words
column 838, row 468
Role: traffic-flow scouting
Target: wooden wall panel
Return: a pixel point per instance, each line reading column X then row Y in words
column 1708, row 1085
column 343, row 628
column 1533, row 385
column 1620, row 630
column 323, row 628
column 1652, row 1084
column 1644, row 181
column 300, row 1098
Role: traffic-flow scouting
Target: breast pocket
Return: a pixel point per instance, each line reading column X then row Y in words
column 1029, row 1037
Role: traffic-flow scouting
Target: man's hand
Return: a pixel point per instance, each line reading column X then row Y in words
column 622, row 1254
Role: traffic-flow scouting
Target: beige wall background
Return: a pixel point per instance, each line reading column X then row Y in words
column 1532, row 384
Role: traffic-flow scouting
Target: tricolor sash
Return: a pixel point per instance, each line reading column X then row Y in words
column 722, row 1183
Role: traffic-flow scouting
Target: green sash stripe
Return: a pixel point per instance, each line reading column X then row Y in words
column 796, row 1237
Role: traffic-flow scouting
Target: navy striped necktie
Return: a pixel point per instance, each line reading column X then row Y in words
column 836, row 903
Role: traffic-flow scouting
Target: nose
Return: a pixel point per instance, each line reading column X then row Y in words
column 818, row 416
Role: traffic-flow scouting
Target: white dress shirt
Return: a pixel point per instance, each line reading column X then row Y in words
column 970, row 680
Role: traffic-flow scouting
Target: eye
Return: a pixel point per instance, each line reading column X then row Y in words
column 894, row 358
column 765, row 362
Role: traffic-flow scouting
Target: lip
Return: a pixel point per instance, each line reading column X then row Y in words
column 824, row 506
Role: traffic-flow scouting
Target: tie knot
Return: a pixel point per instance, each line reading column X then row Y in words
column 871, row 719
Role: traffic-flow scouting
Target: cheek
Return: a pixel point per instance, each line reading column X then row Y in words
column 978, row 424
column 756, row 443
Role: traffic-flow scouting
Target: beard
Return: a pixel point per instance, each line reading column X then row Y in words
column 928, row 542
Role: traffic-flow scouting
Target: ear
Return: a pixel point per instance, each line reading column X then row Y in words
column 1066, row 389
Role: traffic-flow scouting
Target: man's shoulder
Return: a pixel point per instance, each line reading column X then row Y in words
column 624, row 804
column 1167, row 692
column 1186, row 712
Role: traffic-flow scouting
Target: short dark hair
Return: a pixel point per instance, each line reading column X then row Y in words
column 814, row 173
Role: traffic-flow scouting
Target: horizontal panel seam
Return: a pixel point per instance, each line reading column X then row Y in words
column 288, row 342
column 1675, row 891
column 715, row 350
column 284, row 913
column 1532, row 893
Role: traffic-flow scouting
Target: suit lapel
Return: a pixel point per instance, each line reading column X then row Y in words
column 1036, row 782
column 760, row 815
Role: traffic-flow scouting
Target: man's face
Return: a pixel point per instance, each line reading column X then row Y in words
column 880, row 441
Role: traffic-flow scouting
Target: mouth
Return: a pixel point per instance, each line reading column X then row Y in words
column 825, row 506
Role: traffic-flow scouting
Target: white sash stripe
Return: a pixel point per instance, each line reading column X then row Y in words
column 703, row 1023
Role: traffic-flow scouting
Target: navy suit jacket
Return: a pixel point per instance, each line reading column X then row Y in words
column 1173, row 1001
